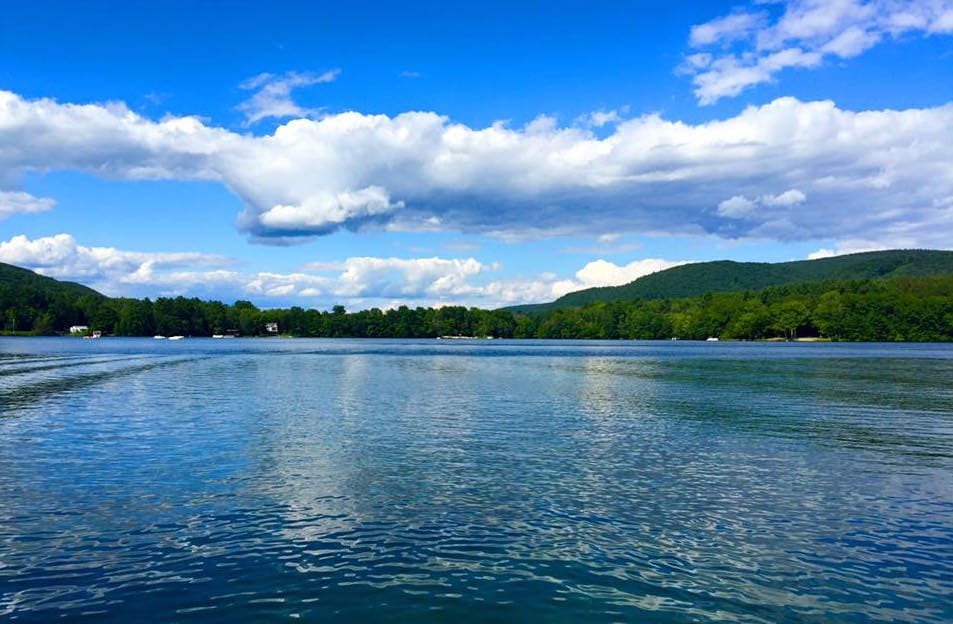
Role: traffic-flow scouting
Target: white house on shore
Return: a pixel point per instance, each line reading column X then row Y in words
column 79, row 329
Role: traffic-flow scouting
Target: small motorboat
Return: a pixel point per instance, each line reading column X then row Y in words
column 176, row 337
column 158, row 337
column 218, row 335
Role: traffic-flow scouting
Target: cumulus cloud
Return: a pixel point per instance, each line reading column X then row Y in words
column 871, row 174
column 549, row 286
column 791, row 197
column 605, row 273
column 402, row 277
column 118, row 272
column 14, row 202
column 736, row 206
column 740, row 207
column 272, row 94
column 821, row 253
column 356, row 281
column 748, row 47
column 60, row 256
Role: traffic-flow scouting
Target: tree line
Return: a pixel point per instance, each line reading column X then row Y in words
column 895, row 309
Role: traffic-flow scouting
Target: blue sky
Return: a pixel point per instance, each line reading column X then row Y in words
column 297, row 153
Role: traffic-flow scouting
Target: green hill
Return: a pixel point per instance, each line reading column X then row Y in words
column 892, row 295
column 692, row 280
column 15, row 277
column 35, row 303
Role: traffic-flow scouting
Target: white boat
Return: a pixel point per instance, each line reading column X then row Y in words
column 176, row 337
column 158, row 337
column 218, row 335
column 712, row 339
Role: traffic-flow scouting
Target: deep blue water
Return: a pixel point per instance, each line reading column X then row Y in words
column 451, row 481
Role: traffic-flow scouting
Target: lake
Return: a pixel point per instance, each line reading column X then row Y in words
column 474, row 481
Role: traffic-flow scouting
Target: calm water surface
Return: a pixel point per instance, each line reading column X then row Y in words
column 425, row 481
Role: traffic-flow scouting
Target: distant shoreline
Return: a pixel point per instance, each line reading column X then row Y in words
column 853, row 307
column 804, row 340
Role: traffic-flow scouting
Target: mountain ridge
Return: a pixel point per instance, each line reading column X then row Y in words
column 899, row 303
column 699, row 278
column 12, row 276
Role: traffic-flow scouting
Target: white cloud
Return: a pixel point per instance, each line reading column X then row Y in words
column 272, row 97
column 60, row 256
column 401, row 277
column 150, row 273
column 601, row 118
column 728, row 28
column 357, row 281
column 851, row 42
column 871, row 174
column 605, row 273
column 736, row 206
column 549, row 286
column 821, row 253
column 740, row 207
column 19, row 202
column 791, row 197
column 747, row 48
column 943, row 23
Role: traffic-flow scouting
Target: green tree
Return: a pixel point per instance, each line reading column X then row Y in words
column 788, row 316
column 828, row 314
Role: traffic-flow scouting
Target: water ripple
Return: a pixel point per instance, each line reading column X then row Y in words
column 355, row 480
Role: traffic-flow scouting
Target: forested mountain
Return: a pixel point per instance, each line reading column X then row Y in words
column 917, row 309
column 692, row 280
column 35, row 303
column 12, row 277
column 905, row 308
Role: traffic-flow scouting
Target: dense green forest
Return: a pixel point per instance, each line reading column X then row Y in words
column 902, row 308
column 896, row 308
column 692, row 280
column 36, row 304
